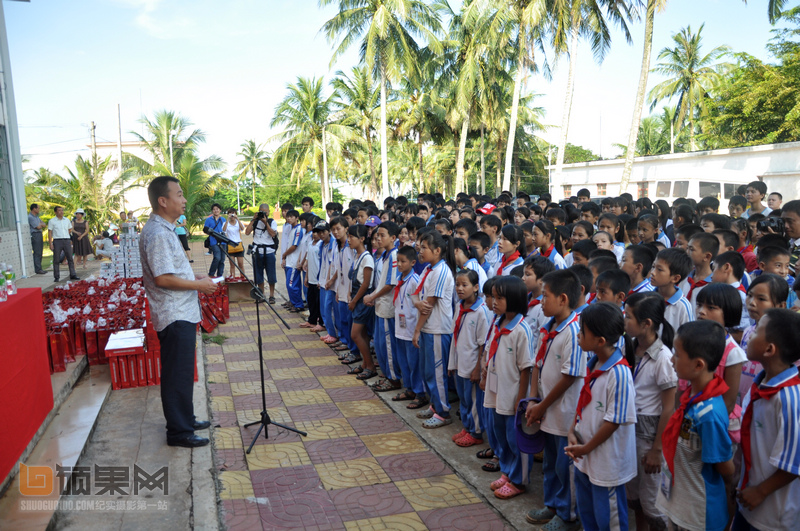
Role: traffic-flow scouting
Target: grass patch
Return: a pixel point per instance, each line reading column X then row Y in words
column 217, row 339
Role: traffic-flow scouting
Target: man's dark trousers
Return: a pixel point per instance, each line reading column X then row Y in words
column 177, row 377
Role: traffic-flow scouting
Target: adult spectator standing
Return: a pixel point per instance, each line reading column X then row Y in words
column 265, row 231
column 180, row 230
column 215, row 222
column 233, row 230
column 171, row 289
column 37, row 238
column 59, row 231
column 80, row 235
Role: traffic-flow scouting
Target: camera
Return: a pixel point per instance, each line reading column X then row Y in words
column 773, row 223
column 261, row 215
column 250, row 249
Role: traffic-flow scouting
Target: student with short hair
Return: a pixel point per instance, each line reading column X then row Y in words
column 754, row 194
column 491, row 225
column 712, row 222
column 684, row 233
column 559, row 366
column 511, row 245
column 405, row 316
column 637, row 262
column 465, row 228
column 696, row 445
column 289, row 259
column 729, row 269
column 612, row 286
column 342, row 260
column 362, row 283
column 669, row 269
column 590, row 212
column 544, row 236
column 586, row 279
column 702, row 249
column 581, row 251
column 736, row 206
column 708, row 205
column 769, row 493
column 534, row 269
column 480, row 244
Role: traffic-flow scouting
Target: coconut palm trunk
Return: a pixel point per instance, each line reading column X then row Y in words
column 373, row 183
column 512, row 125
column 498, row 165
column 640, row 95
column 570, row 90
column 384, row 149
column 462, row 148
column 421, row 165
column 483, row 165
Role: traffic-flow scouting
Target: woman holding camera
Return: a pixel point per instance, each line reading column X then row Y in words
column 233, row 228
column 265, row 242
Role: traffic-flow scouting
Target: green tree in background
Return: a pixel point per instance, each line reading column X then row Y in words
column 254, row 162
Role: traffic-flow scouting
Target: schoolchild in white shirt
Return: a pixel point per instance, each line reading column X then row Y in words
column 491, row 226
column 361, row 279
column 558, row 369
column 470, row 330
column 602, row 438
column 508, row 357
column 465, row 259
column 327, row 279
column 637, row 262
column 384, row 333
column 584, row 274
column 289, row 260
column 670, row 268
column 534, row 269
column 434, row 330
column 549, row 245
column 655, row 382
column 511, row 246
column 342, row 262
column 405, row 317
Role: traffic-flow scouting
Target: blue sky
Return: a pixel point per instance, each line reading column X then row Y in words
column 225, row 66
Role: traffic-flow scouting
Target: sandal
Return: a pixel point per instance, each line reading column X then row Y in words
column 329, row 340
column 540, row 516
column 418, row 402
column 496, row 484
column 306, row 325
column 491, row 466
column 436, row 422
column 356, row 370
column 428, row 413
column 352, row 358
column 340, row 348
column 468, row 440
column 486, row 453
column 367, row 374
column 508, row 491
column 271, row 300
column 460, row 434
column 405, row 395
column 318, row 328
column 386, row 385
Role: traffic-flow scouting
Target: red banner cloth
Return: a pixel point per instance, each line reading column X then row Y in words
column 26, row 394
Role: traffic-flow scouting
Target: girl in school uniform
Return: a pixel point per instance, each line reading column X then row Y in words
column 360, row 275
column 465, row 260
column 544, row 236
column 433, row 299
column 506, row 374
column 469, row 335
column 512, row 251
column 655, row 382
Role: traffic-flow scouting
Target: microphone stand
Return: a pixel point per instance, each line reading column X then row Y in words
column 258, row 297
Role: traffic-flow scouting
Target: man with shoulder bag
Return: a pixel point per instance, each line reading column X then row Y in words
column 265, row 243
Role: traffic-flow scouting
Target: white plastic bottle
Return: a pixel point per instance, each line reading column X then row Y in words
column 3, row 295
column 11, row 281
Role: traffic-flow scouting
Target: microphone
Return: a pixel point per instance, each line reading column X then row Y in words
column 221, row 238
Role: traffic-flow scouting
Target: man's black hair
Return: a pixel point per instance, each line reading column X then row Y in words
column 584, row 192
column 33, row 205
column 734, row 259
column 492, row 221
column 585, row 276
column 584, row 247
column 708, row 202
column 677, row 260
column 783, row 330
column 759, row 186
column 158, row 187
column 307, row 200
column 616, row 280
column 642, row 254
column 601, row 264
column 730, row 237
column 564, row 282
column 719, row 221
column 482, row 238
column 590, row 206
column 540, row 265
column 408, row 251
column 769, row 252
column 467, row 224
column 414, row 224
column 703, row 339
column 708, row 243
column 558, row 213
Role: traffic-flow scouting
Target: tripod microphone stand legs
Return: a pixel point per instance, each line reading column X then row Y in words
column 265, row 422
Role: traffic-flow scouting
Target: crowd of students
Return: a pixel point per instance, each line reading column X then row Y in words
column 655, row 345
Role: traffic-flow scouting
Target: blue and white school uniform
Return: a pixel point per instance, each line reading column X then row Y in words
column 745, row 320
column 469, row 336
column 327, row 299
column 384, row 336
column 619, row 251
column 294, row 280
column 555, row 258
column 495, row 271
column 492, row 256
column 601, row 475
column 663, row 238
column 535, row 317
column 405, row 320
column 436, row 334
column 478, row 268
column 642, row 287
column 343, row 261
column 678, row 310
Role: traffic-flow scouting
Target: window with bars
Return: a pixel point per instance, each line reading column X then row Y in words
column 567, row 190
column 601, row 189
column 643, row 189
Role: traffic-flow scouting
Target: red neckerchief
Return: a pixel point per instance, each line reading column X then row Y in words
column 741, row 288
column 461, row 313
column 549, row 250
column 591, row 298
column 745, row 249
column 694, row 284
column 498, row 333
column 397, row 290
column 669, row 439
column 549, row 335
column 422, row 282
column 756, row 394
column 534, row 302
column 586, row 391
column 507, row 260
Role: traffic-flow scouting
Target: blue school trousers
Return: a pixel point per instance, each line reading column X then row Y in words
column 293, row 283
column 434, row 350
column 327, row 299
column 410, row 370
column 513, row 463
column 558, row 470
column 601, row 508
column 303, row 284
column 344, row 320
column 385, row 347
column 469, row 395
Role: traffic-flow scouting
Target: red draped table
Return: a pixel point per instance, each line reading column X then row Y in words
column 26, row 394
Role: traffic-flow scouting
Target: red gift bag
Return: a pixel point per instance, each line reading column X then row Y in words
column 57, row 347
column 91, row 347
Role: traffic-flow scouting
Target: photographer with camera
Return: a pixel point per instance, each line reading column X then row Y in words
column 265, row 243
column 790, row 215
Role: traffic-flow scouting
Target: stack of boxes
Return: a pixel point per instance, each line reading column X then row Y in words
column 126, row 261
column 131, row 363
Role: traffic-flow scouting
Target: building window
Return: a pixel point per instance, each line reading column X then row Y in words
column 6, row 197
column 709, row 189
column 662, row 188
column 730, row 190
column 643, row 188
column 681, row 189
column 567, row 191
column 601, row 189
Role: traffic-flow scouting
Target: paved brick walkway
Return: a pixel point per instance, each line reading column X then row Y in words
column 360, row 466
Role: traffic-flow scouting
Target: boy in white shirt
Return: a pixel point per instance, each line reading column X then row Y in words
column 405, row 318
column 342, row 261
column 289, row 260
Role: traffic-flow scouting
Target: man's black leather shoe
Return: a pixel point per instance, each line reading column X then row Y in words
column 201, row 425
column 189, row 441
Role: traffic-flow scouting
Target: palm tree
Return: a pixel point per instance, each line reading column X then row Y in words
column 388, row 48
column 638, row 106
column 359, row 98
column 304, row 111
column 169, row 138
column 198, row 179
column 690, row 76
column 254, row 160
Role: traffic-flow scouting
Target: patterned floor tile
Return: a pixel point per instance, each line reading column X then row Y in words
column 276, row 435
column 294, row 372
column 265, row 456
column 239, row 333
column 363, row 408
column 398, row 522
column 320, row 362
column 215, row 358
column 305, row 398
column 248, row 347
column 436, row 492
column 308, row 510
column 222, row 403
column 219, row 389
column 242, row 366
column 344, row 449
column 297, row 384
column 244, row 376
column 335, row 382
column 401, row 442
column 224, row 419
column 285, row 482
column 228, row 438
column 353, row 473
column 235, row 485
column 377, row 424
column 319, row 351
column 276, row 414
column 314, row 412
column 252, row 387
column 230, row 459
column 216, row 367
column 307, row 344
column 274, row 353
column 326, row 429
column 344, row 394
column 370, row 501
column 241, row 515
column 418, row 465
column 254, row 401
column 217, row 377
column 284, row 363
column 476, row 517
column 249, row 340
column 241, row 356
